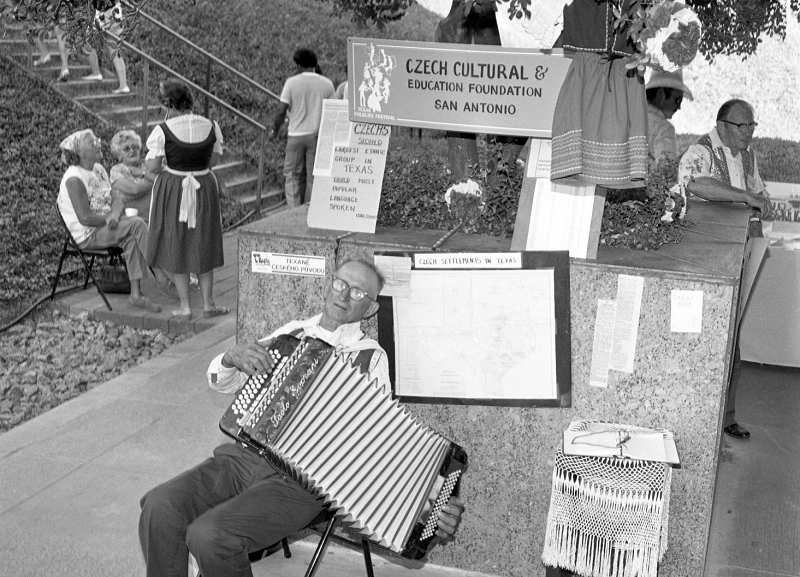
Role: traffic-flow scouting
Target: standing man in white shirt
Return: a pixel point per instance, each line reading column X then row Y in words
column 302, row 97
column 721, row 167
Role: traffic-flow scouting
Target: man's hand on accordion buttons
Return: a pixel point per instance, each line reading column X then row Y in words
column 449, row 518
column 250, row 358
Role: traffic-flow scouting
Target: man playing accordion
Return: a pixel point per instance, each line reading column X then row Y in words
column 236, row 502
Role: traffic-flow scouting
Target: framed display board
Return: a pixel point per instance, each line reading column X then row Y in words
column 477, row 328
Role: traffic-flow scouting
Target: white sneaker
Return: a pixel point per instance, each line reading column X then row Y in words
column 93, row 77
column 122, row 90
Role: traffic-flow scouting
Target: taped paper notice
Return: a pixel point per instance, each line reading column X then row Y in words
column 686, row 311
column 626, row 323
column 540, row 158
column 396, row 271
column 603, row 343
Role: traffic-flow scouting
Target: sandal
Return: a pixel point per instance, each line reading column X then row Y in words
column 167, row 290
column 42, row 60
column 215, row 312
column 144, row 304
column 180, row 315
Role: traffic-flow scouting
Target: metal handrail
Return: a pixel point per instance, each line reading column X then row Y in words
column 210, row 56
column 204, row 91
column 188, row 82
column 147, row 60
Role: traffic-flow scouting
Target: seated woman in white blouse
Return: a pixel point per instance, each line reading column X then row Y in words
column 94, row 216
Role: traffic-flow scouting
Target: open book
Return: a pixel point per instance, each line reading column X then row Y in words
column 591, row 439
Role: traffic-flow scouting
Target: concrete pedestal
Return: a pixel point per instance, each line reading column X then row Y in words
column 679, row 380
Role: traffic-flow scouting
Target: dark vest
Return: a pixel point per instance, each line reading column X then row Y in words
column 187, row 155
column 719, row 164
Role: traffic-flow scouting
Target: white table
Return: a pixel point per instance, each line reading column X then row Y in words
column 770, row 331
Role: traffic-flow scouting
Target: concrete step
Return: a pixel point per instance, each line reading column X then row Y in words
column 269, row 198
column 133, row 114
column 228, row 168
column 80, row 87
column 52, row 70
column 151, row 124
column 104, row 102
column 241, row 183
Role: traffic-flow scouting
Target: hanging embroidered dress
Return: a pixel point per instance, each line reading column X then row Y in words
column 600, row 122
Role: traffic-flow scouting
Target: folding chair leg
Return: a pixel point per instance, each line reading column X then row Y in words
column 323, row 544
column 88, row 269
column 367, row 557
column 86, row 273
column 58, row 271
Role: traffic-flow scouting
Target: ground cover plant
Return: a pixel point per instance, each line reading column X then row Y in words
column 50, row 358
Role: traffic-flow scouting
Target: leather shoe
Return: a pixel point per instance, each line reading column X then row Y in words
column 737, row 431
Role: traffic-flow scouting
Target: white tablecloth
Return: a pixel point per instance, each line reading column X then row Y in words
column 770, row 331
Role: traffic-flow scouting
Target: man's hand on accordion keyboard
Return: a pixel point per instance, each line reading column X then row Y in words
column 449, row 518
column 250, row 358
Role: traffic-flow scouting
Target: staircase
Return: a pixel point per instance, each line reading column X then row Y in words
column 238, row 178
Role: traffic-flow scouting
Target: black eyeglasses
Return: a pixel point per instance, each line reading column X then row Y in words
column 131, row 147
column 355, row 293
column 741, row 125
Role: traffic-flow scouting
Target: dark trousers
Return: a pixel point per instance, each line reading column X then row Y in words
column 754, row 231
column 229, row 505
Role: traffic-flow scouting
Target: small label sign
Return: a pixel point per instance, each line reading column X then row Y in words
column 468, row 260
column 293, row 264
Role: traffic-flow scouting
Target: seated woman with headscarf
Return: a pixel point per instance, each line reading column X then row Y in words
column 94, row 216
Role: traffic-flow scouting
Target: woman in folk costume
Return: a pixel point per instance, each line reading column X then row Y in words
column 185, row 225
column 600, row 122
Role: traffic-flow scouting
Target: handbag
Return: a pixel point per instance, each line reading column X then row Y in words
column 113, row 277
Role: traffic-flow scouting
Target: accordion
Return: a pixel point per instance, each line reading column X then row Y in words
column 317, row 418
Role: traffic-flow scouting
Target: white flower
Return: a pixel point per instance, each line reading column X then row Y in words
column 669, row 204
column 468, row 187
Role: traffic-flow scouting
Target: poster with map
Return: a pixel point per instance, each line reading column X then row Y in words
column 473, row 328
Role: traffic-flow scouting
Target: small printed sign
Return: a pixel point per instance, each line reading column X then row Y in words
column 292, row 264
column 348, row 171
column 686, row 311
column 468, row 260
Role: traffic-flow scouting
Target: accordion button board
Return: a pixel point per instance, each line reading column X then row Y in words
column 318, row 418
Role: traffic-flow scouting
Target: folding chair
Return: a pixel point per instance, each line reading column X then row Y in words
column 329, row 518
column 71, row 248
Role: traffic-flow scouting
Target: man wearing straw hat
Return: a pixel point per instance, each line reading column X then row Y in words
column 665, row 91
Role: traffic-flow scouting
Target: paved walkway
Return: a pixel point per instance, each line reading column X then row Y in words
column 225, row 294
column 71, row 479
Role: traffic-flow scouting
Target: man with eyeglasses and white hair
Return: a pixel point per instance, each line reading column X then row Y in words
column 236, row 503
column 721, row 167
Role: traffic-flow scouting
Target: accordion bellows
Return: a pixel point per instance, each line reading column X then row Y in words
column 318, row 418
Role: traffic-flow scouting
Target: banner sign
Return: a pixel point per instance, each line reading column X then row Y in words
column 348, row 171
column 459, row 87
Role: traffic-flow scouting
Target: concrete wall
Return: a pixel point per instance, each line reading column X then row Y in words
column 678, row 383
